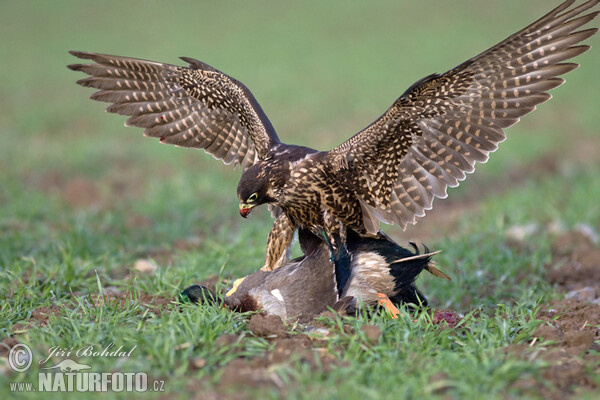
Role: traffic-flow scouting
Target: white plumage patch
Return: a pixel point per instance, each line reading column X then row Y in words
column 277, row 294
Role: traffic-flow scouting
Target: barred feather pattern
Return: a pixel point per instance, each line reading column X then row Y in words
column 436, row 131
column 196, row 106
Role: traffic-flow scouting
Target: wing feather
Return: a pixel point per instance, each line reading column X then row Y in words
column 433, row 135
column 195, row 106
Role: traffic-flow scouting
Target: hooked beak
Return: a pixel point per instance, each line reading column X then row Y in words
column 245, row 210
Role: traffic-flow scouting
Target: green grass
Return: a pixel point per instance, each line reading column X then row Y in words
column 321, row 71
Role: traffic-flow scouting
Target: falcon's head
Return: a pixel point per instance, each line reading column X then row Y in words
column 254, row 188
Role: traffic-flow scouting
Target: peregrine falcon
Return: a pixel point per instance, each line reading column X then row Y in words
column 391, row 171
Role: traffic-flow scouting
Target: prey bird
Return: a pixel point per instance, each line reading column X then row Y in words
column 362, row 271
column 391, row 171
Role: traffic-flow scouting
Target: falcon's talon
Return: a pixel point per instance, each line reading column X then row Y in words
column 391, row 171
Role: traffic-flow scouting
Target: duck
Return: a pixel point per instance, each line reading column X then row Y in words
column 383, row 272
column 341, row 274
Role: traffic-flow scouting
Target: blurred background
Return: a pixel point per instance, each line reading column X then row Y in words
column 76, row 181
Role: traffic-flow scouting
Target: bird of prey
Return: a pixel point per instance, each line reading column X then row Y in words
column 390, row 171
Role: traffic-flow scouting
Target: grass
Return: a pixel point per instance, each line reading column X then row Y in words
column 82, row 198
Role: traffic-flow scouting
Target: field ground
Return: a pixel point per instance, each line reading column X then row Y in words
column 102, row 229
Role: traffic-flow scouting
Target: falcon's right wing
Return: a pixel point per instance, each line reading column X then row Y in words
column 196, row 106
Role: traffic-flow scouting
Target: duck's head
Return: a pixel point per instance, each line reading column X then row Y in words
column 198, row 294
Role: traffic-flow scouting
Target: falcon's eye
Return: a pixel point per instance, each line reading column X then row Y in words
column 252, row 197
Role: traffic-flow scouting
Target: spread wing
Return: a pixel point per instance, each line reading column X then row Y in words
column 436, row 131
column 195, row 106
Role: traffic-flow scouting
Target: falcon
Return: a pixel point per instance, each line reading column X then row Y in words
column 390, row 171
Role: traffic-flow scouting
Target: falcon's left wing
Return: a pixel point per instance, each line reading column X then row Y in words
column 436, row 131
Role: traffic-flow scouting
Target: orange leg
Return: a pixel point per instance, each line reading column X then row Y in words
column 389, row 306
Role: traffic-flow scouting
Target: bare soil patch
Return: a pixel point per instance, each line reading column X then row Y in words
column 6, row 344
column 575, row 267
column 568, row 339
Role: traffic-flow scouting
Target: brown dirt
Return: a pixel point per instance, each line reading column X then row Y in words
column 260, row 371
column 6, row 344
column 446, row 318
column 567, row 342
column 77, row 191
column 568, row 339
column 267, row 326
column 571, row 326
column 288, row 348
column 371, row 332
column 39, row 317
column 575, row 267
